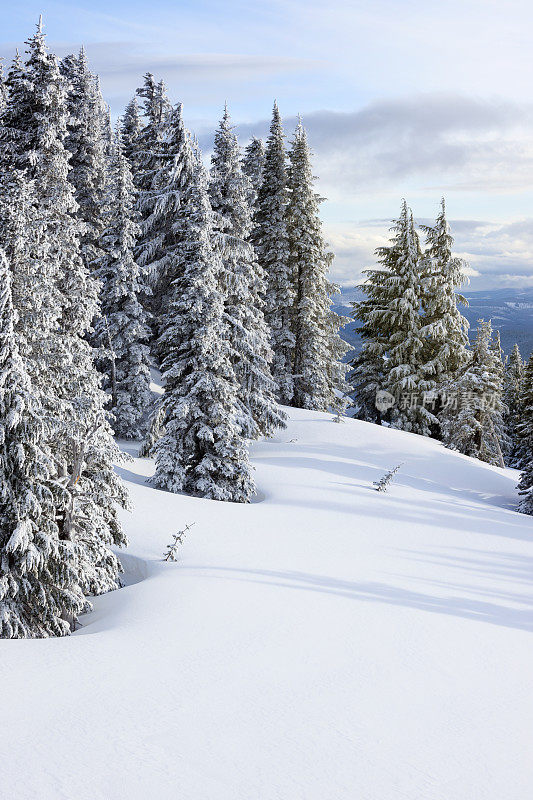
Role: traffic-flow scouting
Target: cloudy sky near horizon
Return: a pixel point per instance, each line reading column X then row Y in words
column 401, row 98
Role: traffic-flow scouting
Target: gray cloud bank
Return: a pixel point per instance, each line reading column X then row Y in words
column 499, row 255
column 445, row 142
column 423, row 147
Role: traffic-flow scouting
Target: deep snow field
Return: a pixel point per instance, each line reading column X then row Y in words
column 327, row 642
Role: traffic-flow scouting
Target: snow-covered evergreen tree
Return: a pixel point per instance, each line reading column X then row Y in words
column 131, row 130
column 391, row 326
column 86, row 144
column 62, row 370
column 405, row 379
column 272, row 249
column 253, row 161
column 472, row 420
column 202, row 451
column 525, row 489
column 318, row 373
column 159, row 237
column 242, row 286
column 122, row 328
column 156, row 429
column 36, row 296
column 155, row 108
column 444, row 329
column 525, row 435
column 151, row 161
column 39, row 593
column 106, row 125
column 498, row 419
column 367, row 376
column 513, row 377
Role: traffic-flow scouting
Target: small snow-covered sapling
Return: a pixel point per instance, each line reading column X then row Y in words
column 172, row 549
column 383, row 484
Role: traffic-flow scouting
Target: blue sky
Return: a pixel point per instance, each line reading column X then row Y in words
column 400, row 98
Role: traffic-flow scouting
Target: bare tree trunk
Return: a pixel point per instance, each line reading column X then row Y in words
column 67, row 528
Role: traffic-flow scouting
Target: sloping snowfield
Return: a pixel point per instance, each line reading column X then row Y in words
column 327, row 642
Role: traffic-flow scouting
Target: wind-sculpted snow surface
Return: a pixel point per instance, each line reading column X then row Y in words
column 327, row 643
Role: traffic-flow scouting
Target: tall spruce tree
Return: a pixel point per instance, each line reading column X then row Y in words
column 318, row 372
column 35, row 292
column 524, row 431
column 271, row 244
column 122, row 329
column 498, row 419
column 472, row 419
column 39, row 591
column 151, row 159
column 63, row 375
column 131, row 130
column 242, row 286
column 253, row 162
column 86, row 144
column 391, row 322
column 202, row 451
column 367, row 375
column 513, row 377
column 444, row 329
column 160, row 236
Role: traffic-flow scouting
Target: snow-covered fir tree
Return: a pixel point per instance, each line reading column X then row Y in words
column 367, row 375
column 159, row 238
column 444, row 329
column 62, row 370
column 472, row 419
column 202, row 451
column 525, row 435
column 525, row 489
column 85, row 141
column 122, row 328
column 498, row 419
column 39, row 593
column 36, row 295
column 393, row 349
column 401, row 320
column 513, row 377
column 148, row 144
column 151, row 159
column 131, row 130
column 253, row 161
column 106, row 125
column 318, row 373
column 242, row 286
column 272, row 249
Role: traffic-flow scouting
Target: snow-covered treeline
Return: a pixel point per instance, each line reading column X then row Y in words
column 120, row 251
column 59, row 493
column 416, row 370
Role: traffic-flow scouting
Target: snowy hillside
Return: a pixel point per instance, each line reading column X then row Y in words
column 326, row 642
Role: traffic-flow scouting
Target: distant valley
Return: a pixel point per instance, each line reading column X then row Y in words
column 511, row 312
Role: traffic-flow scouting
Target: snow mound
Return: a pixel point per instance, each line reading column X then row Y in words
column 330, row 642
